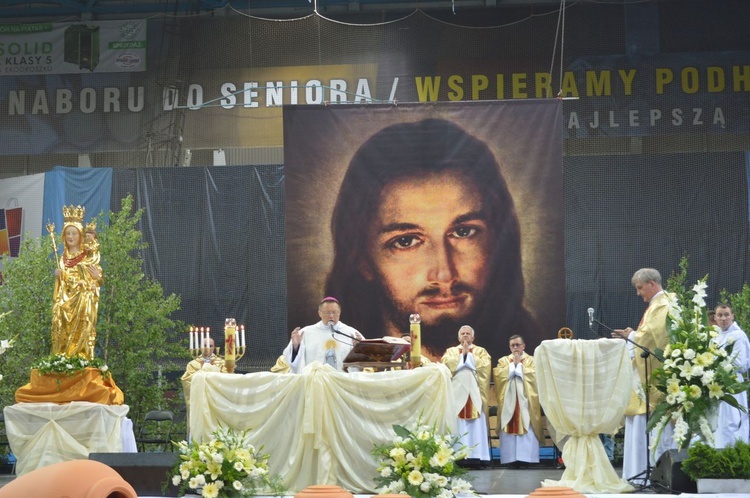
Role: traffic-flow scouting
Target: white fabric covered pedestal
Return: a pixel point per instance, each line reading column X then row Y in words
column 41, row 434
column 320, row 426
column 584, row 387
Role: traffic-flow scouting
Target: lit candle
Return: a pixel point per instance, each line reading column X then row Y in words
column 242, row 328
column 229, row 340
column 415, row 330
column 192, row 340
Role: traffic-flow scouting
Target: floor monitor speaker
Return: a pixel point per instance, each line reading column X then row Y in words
column 668, row 476
column 146, row 472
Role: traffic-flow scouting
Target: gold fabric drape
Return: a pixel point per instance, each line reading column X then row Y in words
column 89, row 385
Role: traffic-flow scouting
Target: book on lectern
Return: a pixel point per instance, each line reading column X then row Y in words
column 385, row 349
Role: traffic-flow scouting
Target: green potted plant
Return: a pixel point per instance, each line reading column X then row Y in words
column 724, row 470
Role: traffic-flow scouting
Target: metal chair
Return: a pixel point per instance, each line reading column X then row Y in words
column 492, row 434
column 156, row 430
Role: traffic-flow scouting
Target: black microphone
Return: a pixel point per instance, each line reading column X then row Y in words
column 334, row 331
column 591, row 316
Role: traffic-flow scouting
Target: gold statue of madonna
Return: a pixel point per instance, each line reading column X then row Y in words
column 77, row 280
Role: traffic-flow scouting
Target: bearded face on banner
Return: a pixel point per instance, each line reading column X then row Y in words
column 424, row 222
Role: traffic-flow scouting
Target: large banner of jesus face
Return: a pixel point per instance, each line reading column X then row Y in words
column 450, row 210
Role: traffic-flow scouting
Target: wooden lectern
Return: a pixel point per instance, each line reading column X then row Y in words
column 377, row 354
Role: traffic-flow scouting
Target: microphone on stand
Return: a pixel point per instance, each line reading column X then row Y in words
column 593, row 320
column 334, row 331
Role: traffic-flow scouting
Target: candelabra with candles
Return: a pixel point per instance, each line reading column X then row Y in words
column 234, row 343
column 200, row 342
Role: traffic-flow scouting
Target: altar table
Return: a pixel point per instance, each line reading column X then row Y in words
column 320, row 426
column 41, row 434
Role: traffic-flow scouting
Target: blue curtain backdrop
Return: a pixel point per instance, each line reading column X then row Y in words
column 89, row 187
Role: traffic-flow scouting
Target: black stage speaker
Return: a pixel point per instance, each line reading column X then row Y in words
column 667, row 475
column 146, row 472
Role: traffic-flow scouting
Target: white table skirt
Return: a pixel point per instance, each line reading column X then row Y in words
column 41, row 434
column 584, row 387
column 320, row 426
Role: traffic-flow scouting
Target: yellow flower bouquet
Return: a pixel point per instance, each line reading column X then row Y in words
column 422, row 463
column 225, row 466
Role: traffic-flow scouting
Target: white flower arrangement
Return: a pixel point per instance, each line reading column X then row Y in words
column 696, row 375
column 422, row 463
column 59, row 364
column 227, row 465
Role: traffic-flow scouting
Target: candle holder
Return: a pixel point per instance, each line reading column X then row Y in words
column 415, row 333
column 200, row 342
column 234, row 343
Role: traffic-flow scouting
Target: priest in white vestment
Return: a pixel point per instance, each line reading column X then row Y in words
column 329, row 341
column 519, row 412
column 733, row 423
column 471, row 366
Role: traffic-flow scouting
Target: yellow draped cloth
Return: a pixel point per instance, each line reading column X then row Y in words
column 584, row 387
column 281, row 366
column 89, row 385
column 43, row 434
column 321, row 425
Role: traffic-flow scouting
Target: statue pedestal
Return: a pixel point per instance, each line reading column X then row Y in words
column 42, row 434
column 87, row 385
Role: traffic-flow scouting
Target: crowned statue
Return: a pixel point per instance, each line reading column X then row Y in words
column 77, row 280
column 75, row 308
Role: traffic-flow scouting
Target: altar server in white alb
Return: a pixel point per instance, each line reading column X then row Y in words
column 471, row 366
column 329, row 341
column 733, row 423
column 519, row 412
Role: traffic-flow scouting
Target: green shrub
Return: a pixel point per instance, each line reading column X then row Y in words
column 705, row 462
column 136, row 337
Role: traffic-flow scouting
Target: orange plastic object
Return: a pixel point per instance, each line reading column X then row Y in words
column 78, row 478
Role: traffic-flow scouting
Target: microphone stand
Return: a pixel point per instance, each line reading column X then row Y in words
column 334, row 331
column 645, row 476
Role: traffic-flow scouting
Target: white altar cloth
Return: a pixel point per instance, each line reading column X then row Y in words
column 320, row 426
column 584, row 388
column 41, row 434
